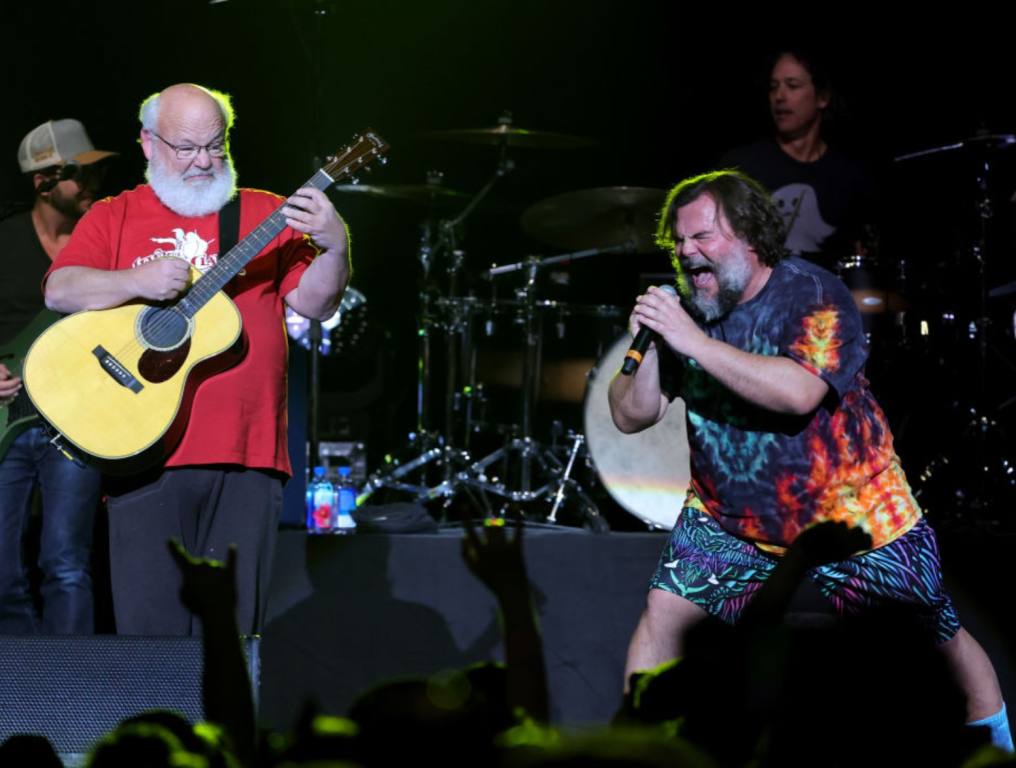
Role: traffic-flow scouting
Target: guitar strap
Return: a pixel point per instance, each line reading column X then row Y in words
column 229, row 225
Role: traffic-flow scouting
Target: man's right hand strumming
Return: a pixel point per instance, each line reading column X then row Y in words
column 161, row 279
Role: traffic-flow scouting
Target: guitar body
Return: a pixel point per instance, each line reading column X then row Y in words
column 17, row 415
column 117, row 383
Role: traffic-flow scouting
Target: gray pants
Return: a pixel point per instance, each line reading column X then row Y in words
column 207, row 509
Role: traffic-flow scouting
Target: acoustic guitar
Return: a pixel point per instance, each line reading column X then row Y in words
column 117, row 384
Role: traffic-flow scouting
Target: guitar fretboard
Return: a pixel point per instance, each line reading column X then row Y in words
column 242, row 253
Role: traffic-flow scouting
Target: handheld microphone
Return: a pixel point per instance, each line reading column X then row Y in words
column 633, row 358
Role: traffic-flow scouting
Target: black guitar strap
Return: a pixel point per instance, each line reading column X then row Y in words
column 229, row 235
column 229, row 225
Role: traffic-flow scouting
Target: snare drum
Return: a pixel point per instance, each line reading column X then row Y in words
column 648, row 472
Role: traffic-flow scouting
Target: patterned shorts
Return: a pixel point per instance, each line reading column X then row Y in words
column 720, row 572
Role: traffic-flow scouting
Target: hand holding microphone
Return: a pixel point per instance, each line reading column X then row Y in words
column 643, row 338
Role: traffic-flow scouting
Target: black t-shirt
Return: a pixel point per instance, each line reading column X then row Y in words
column 825, row 203
column 23, row 263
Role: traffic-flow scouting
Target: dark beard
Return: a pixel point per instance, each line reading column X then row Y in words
column 66, row 206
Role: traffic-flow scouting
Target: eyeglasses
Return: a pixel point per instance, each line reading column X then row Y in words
column 217, row 148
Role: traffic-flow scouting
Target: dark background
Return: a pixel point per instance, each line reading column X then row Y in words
column 664, row 88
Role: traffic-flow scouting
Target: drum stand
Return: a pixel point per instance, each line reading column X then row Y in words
column 540, row 473
column 980, row 480
column 427, row 447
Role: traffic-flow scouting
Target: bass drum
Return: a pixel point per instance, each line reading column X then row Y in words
column 647, row 473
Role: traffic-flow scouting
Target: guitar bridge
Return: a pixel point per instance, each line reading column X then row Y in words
column 116, row 371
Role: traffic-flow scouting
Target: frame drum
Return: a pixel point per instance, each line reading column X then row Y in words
column 647, row 473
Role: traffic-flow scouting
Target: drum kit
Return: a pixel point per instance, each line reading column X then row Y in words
column 946, row 331
column 490, row 366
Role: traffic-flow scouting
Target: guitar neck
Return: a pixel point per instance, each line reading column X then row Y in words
column 242, row 253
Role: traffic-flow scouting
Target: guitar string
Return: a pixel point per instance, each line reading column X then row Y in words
column 241, row 250
column 201, row 289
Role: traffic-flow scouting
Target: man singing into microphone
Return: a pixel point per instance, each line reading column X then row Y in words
column 767, row 352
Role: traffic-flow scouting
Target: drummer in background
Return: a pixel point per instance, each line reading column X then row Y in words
column 824, row 196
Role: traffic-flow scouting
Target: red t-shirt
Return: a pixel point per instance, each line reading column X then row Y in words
column 238, row 416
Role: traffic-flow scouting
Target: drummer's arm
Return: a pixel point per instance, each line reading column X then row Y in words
column 636, row 401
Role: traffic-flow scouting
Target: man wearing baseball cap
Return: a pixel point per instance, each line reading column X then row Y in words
column 65, row 171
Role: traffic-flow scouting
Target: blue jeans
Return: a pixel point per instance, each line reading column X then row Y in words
column 70, row 494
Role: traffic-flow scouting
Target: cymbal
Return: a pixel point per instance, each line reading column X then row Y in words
column 991, row 140
column 597, row 218
column 983, row 142
column 513, row 137
column 416, row 193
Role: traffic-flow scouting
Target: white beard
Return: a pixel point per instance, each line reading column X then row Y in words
column 198, row 199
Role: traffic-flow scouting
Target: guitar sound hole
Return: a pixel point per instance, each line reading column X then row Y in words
column 156, row 366
column 163, row 328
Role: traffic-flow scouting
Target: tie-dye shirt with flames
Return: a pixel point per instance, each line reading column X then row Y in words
column 766, row 476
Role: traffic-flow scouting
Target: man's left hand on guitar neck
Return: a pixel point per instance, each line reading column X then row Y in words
column 310, row 211
column 321, row 286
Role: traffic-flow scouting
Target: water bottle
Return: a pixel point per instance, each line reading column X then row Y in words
column 345, row 492
column 320, row 503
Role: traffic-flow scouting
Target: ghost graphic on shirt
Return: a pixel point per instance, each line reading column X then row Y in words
column 806, row 229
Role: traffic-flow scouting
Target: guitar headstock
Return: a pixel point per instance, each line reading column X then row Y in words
column 365, row 148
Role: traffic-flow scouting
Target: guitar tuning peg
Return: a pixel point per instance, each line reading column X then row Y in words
column 353, row 180
column 383, row 160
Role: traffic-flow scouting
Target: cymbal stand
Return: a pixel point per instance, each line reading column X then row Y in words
column 425, row 255
column 448, row 243
column 535, row 460
column 426, row 446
